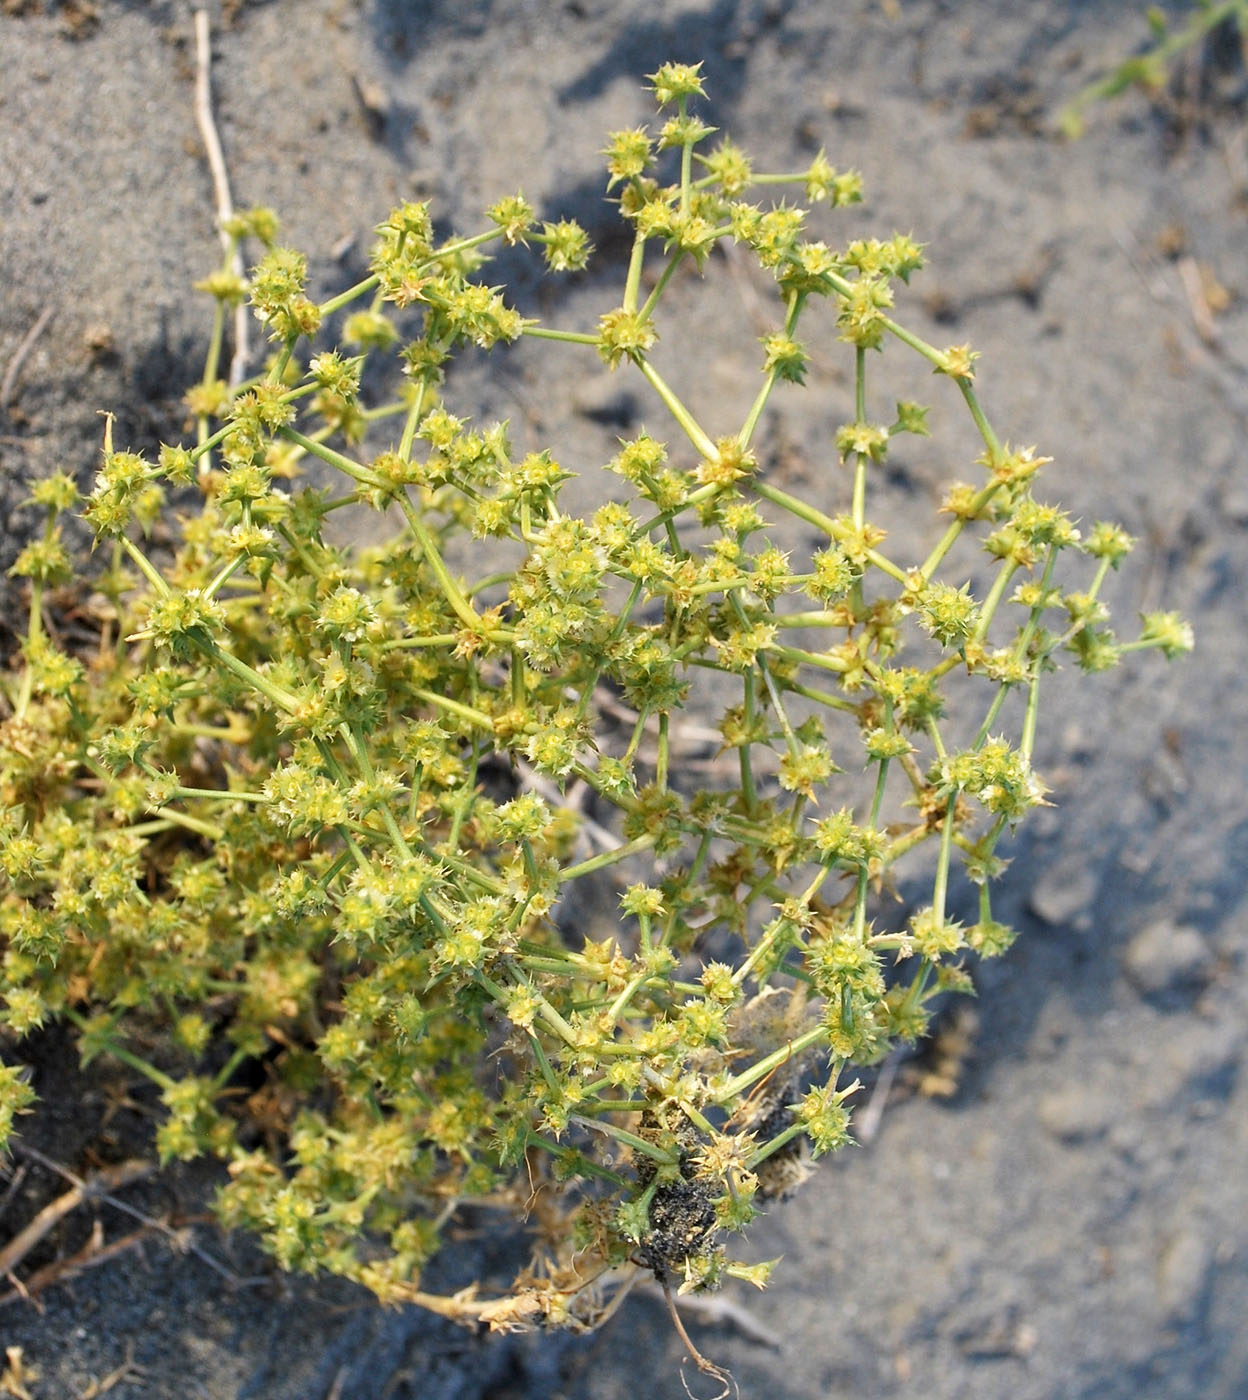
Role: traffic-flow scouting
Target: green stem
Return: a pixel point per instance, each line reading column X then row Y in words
column 283, row 699
column 571, row 337
column 941, row 886
column 860, row 415
column 830, row 527
column 412, row 422
column 34, row 633
column 660, row 771
column 1203, row 22
column 463, row 609
column 678, row 411
column 224, row 575
column 762, row 1068
column 355, row 470
column 823, row 697
column 665, row 277
column 790, row 738
column 358, row 748
column 119, row 1052
column 977, row 413
column 606, row 858
column 990, row 718
column 226, row 1072
column 949, row 538
column 1007, row 571
column 686, row 167
column 774, row 1145
column 749, row 789
column 187, row 823
column 821, row 618
column 638, row 1144
column 456, row 707
column 539, row 1054
column 630, row 991
column 221, row 794
column 327, row 308
column 1029, row 630
column 810, row 658
column 756, row 410
column 1030, row 717
column 146, row 567
column 206, row 444
column 462, row 245
column 635, row 262
column 760, row 949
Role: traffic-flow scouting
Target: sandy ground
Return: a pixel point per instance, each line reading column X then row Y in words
column 1073, row 1222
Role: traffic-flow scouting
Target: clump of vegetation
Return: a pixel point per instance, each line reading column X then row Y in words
column 312, row 812
column 1151, row 69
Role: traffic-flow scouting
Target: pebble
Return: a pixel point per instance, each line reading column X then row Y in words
column 1235, row 503
column 1185, row 1064
column 1165, row 958
column 1202, row 1058
column 1182, row 1270
column 1063, row 895
column 1073, row 1114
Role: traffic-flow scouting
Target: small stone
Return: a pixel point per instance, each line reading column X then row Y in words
column 1202, row 1058
column 1004, row 1335
column 1166, row 958
column 1073, row 1114
column 98, row 340
column 374, row 103
column 1064, row 892
column 1235, row 503
column 1182, row 1271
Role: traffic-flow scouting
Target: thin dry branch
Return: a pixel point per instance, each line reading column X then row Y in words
column 95, row 1187
column 125, row 1372
column 179, row 1238
column 867, row 1123
column 706, row 1366
column 11, row 1190
column 9, row 382
column 1197, row 299
column 713, row 1309
column 220, row 182
column 94, row 1253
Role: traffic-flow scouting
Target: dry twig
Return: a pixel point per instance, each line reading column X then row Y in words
column 220, row 182
column 125, row 1372
column 14, row 1186
column 9, row 382
column 90, row 1256
column 1197, row 299
column 713, row 1309
column 17, row 1375
column 95, row 1187
column 704, row 1364
column 180, row 1239
column 867, row 1123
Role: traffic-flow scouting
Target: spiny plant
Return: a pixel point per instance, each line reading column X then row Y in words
column 1150, row 70
column 281, row 809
